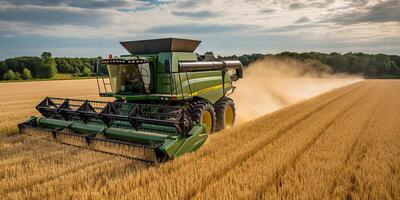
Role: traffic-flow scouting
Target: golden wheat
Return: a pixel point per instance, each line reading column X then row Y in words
column 342, row 144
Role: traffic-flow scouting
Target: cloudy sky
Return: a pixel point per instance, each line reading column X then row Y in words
column 94, row 27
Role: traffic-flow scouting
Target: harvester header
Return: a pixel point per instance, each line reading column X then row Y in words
column 167, row 101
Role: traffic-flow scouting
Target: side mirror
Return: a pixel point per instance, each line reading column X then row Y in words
column 234, row 77
column 167, row 66
column 239, row 72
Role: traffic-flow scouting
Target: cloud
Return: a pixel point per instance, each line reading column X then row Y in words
column 72, row 3
column 357, row 3
column 321, row 4
column 310, row 4
column 198, row 14
column 35, row 2
column 302, row 20
column 297, row 5
column 98, row 4
column 267, row 10
column 51, row 16
column 200, row 29
column 388, row 11
column 190, row 3
column 293, row 27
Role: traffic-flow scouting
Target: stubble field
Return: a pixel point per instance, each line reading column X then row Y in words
column 343, row 144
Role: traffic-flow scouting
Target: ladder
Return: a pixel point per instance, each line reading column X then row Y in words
column 104, row 83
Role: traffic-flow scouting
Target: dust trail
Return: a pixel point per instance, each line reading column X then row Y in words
column 272, row 83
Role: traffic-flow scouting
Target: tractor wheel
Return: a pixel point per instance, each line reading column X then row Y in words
column 225, row 112
column 202, row 112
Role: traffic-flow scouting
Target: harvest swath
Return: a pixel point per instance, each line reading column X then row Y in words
column 342, row 144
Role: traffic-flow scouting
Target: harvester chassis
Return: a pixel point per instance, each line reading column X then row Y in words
column 167, row 100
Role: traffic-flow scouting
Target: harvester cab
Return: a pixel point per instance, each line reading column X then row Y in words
column 167, row 101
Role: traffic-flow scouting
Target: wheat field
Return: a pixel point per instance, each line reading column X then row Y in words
column 343, row 144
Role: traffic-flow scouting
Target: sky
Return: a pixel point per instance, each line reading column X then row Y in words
column 88, row 28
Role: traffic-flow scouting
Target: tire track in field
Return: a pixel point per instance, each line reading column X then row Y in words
column 297, row 155
column 95, row 173
column 253, row 146
column 11, row 151
column 12, row 139
column 359, row 153
column 30, row 145
column 4, row 197
column 145, row 167
column 355, row 143
column 13, row 142
column 8, row 170
column 69, row 172
column 279, row 175
column 57, row 174
column 27, row 156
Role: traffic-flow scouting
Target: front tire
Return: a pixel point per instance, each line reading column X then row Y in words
column 202, row 112
column 225, row 112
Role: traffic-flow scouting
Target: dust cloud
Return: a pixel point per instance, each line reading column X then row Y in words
column 270, row 84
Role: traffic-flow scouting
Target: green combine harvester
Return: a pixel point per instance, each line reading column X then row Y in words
column 167, row 100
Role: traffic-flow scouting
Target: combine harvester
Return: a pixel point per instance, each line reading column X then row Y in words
column 167, row 102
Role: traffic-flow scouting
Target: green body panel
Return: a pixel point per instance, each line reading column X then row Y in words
column 192, row 143
column 86, row 128
column 205, row 85
column 170, row 146
column 135, row 136
column 174, row 148
column 54, row 123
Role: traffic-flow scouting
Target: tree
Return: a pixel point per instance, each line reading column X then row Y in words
column 317, row 66
column 383, row 64
column 48, row 68
column 26, row 74
column 357, row 64
column 338, row 62
column 9, row 75
column 3, row 69
column 76, row 72
column 12, row 63
column 17, row 76
column 18, row 64
column 46, row 55
column 86, row 71
column 63, row 65
column 394, row 69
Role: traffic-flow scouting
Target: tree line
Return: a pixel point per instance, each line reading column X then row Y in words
column 45, row 66
column 367, row 65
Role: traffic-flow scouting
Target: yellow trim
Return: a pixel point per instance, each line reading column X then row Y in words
column 209, row 89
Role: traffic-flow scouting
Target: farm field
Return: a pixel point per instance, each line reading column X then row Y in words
column 343, row 144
